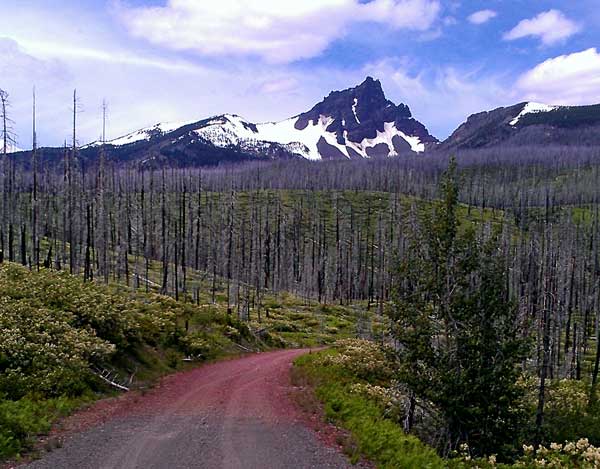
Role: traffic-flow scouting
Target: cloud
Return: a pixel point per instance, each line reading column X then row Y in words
column 65, row 50
column 482, row 16
column 567, row 79
column 274, row 30
column 15, row 62
column 550, row 27
column 443, row 97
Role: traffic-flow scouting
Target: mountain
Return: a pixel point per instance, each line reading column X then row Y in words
column 528, row 124
column 358, row 122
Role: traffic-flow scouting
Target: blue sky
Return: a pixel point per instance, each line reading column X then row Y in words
column 171, row 60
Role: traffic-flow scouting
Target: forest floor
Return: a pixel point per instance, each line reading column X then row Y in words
column 238, row 413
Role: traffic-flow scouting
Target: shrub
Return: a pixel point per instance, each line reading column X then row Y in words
column 568, row 413
column 21, row 420
column 578, row 454
column 195, row 345
column 41, row 351
column 54, row 326
column 285, row 327
column 361, row 358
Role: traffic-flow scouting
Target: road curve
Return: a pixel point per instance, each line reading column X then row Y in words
column 231, row 414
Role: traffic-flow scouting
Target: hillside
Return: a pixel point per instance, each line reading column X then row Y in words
column 528, row 124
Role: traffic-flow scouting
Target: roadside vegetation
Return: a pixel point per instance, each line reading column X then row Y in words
column 62, row 340
column 353, row 381
column 357, row 383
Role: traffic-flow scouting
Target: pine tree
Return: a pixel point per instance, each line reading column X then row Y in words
column 456, row 329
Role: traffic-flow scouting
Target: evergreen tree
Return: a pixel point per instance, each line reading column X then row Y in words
column 457, row 331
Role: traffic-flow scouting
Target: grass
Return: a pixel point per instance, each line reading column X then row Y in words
column 380, row 440
column 22, row 420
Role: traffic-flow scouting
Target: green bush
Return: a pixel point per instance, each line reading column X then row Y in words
column 196, row 345
column 285, row 327
column 54, row 327
column 362, row 359
column 42, row 351
column 21, row 420
column 569, row 414
column 118, row 318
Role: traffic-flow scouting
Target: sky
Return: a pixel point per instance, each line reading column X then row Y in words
column 180, row 60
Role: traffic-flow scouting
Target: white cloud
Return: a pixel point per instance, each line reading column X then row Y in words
column 48, row 33
column 567, row 79
column 550, row 27
column 277, row 31
column 482, row 16
column 441, row 98
column 63, row 50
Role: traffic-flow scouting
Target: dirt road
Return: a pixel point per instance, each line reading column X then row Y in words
column 231, row 414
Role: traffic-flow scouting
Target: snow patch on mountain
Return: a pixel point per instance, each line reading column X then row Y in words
column 231, row 130
column 354, row 110
column 285, row 133
column 143, row 134
column 311, row 135
column 226, row 130
column 531, row 108
column 389, row 132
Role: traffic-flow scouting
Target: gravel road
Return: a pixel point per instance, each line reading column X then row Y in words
column 230, row 414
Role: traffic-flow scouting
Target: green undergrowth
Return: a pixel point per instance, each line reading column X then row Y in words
column 279, row 319
column 377, row 438
column 22, row 419
column 354, row 383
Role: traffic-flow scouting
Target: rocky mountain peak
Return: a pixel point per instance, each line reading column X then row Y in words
column 361, row 113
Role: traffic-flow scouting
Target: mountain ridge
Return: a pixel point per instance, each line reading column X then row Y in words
column 358, row 122
column 528, row 123
column 355, row 123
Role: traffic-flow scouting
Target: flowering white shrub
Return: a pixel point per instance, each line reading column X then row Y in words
column 364, row 359
column 562, row 396
column 195, row 346
column 567, row 396
column 53, row 326
column 579, row 454
column 40, row 351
